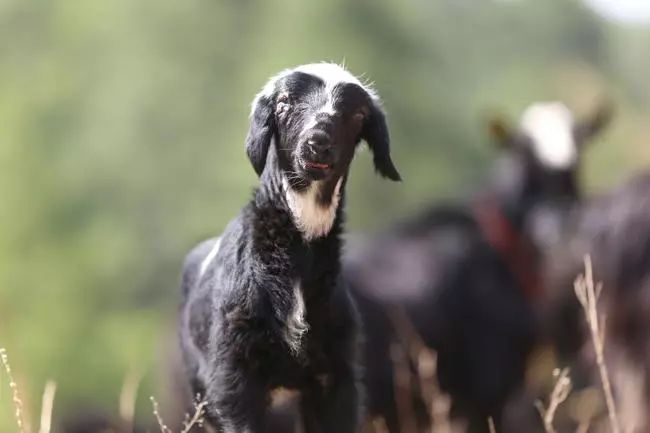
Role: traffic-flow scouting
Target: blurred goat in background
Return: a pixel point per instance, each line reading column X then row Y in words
column 614, row 230
column 467, row 275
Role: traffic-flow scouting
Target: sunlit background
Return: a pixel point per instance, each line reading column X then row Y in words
column 121, row 143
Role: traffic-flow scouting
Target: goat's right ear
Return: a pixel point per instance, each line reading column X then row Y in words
column 260, row 132
column 500, row 131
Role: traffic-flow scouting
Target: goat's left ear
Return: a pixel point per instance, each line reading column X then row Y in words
column 592, row 126
column 375, row 132
column 500, row 131
column 260, row 132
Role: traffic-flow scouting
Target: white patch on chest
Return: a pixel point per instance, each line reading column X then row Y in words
column 312, row 218
column 550, row 126
column 208, row 259
column 296, row 324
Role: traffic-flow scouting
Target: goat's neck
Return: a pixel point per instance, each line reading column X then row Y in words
column 288, row 241
column 513, row 193
column 312, row 205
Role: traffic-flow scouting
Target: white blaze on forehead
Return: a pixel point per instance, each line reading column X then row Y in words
column 330, row 73
column 550, row 126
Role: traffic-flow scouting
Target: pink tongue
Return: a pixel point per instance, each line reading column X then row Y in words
column 318, row 165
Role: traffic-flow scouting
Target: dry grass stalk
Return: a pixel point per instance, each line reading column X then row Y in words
column 426, row 361
column 156, row 412
column 403, row 386
column 583, row 427
column 197, row 418
column 379, row 425
column 588, row 294
column 559, row 394
column 47, row 407
column 491, row 426
column 23, row 426
column 128, row 396
column 190, row 421
column 438, row 402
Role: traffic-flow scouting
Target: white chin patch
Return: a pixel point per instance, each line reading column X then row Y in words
column 312, row 218
column 550, row 126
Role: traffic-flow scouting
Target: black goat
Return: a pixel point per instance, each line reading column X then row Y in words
column 466, row 275
column 264, row 306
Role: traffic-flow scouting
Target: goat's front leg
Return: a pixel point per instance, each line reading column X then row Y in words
column 333, row 405
column 236, row 402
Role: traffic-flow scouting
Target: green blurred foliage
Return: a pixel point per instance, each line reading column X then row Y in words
column 121, row 144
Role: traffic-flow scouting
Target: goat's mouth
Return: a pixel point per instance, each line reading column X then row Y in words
column 316, row 170
column 312, row 165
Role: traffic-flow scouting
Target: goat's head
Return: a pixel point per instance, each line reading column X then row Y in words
column 543, row 154
column 316, row 115
column 549, row 142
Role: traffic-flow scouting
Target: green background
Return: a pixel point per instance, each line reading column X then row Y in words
column 121, row 145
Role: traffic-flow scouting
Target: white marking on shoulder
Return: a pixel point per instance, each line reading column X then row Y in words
column 208, row 259
column 550, row 126
column 296, row 324
column 312, row 218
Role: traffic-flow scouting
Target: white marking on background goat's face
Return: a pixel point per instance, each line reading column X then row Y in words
column 209, row 258
column 296, row 324
column 550, row 127
column 312, row 218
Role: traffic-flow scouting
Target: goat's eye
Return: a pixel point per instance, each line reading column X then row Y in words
column 282, row 105
column 359, row 116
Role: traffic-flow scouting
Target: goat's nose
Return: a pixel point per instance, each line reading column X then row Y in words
column 318, row 141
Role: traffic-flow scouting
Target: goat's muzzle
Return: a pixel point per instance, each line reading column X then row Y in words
column 317, row 153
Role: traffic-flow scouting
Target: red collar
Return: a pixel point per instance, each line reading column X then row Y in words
column 515, row 248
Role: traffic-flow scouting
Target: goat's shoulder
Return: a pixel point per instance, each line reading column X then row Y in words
column 195, row 261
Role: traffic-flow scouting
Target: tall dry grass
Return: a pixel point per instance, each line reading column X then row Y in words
column 588, row 293
column 195, row 419
column 412, row 352
column 47, row 405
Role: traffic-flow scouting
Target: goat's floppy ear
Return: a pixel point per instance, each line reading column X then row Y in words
column 260, row 133
column 375, row 132
column 500, row 131
column 590, row 127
